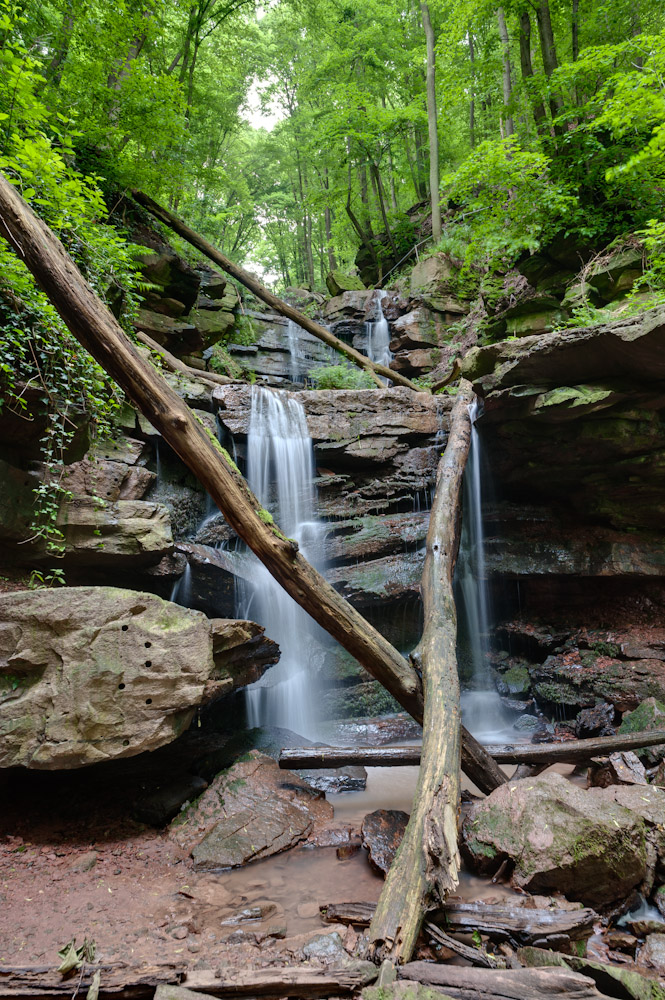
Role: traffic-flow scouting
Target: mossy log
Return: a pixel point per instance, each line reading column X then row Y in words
column 99, row 332
column 426, row 867
column 376, row 371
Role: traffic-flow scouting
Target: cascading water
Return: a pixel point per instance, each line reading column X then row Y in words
column 280, row 471
column 293, row 339
column 483, row 712
column 378, row 335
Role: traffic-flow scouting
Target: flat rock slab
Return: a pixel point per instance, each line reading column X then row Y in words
column 382, row 832
column 583, row 843
column 251, row 811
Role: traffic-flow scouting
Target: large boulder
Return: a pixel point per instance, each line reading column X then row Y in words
column 251, row 811
column 338, row 282
column 560, row 837
column 94, row 673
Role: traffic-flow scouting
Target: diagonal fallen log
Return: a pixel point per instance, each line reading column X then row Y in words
column 568, row 752
column 176, row 365
column 376, row 370
column 99, row 332
column 291, row 981
column 426, row 866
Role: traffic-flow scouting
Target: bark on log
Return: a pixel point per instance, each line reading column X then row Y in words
column 173, row 222
column 476, row 956
column 569, row 752
column 426, row 866
column 99, row 332
column 296, row 981
column 499, row 984
column 120, row 982
column 520, row 925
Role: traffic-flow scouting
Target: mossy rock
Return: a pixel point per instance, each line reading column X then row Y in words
column 650, row 714
column 338, row 282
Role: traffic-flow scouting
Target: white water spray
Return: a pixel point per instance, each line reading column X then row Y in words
column 280, row 471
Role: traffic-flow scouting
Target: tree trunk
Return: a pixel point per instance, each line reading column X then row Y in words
column 332, row 263
column 432, row 126
column 258, row 289
column 575, row 29
column 382, row 206
column 421, row 173
column 472, row 102
column 548, row 50
column 426, row 866
column 527, row 72
column 507, row 118
column 99, row 332
column 56, row 67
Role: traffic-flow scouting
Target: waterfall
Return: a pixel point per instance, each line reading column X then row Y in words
column 280, row 471
column 293, row 338
column 482, row 710
column 378, row 335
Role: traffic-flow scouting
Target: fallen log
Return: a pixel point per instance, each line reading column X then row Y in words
column 296, row 981
column 568, row 752
column 502, row 984
column 121, row 982
column 176, row 365
column 376, row 370
column 426, row 866
column 99, row 332
column 520, row 925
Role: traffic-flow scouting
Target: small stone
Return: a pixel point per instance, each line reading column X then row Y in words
column 526, row 723
column 193, row 945
column 307, row 910
column 325, row 947
column 85, row 862
column 382, row 832
column 180, row 933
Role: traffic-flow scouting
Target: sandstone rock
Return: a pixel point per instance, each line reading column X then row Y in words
column 577, row 678
column 93, row 673
column 388, row 579
column 627, row 349
column 122, row 533
column 338, row 282
column 653, row 953
column 560, row 838
column 179, row 336
column 107, row 480
column 213, row 283
column 382, row 832
column 249, row 812
column 433, row 274
column 375, row 536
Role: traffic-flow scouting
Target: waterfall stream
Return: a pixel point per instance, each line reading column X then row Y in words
column 482, row 709
column 280, row 471
column 378, row 335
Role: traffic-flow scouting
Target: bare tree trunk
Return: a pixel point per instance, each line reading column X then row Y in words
column 423, row 191
column 472, row 102
column 56, row 67
column 99, row 332
column 332, row 263
column 426, row 867
column 548, row 50
column 382, row 206
column 527, row 71
column 507, row 118
column 432, row 126
column 575, row 29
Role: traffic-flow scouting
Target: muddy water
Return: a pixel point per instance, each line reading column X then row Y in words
column 300, row 881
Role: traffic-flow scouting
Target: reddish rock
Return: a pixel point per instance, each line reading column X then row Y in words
column 382, row 833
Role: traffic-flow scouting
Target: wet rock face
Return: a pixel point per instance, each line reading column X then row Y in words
column 382, row 832
column 251, row 811
column 89, row 674
column 584, row 843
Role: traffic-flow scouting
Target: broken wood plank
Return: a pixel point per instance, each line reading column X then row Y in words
column 502, row 984
column 378, row 371
column 426, row 866
column 520, row 924
column 568, row 752
column 476, row 956
column 294, row 981
column 99, row 332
